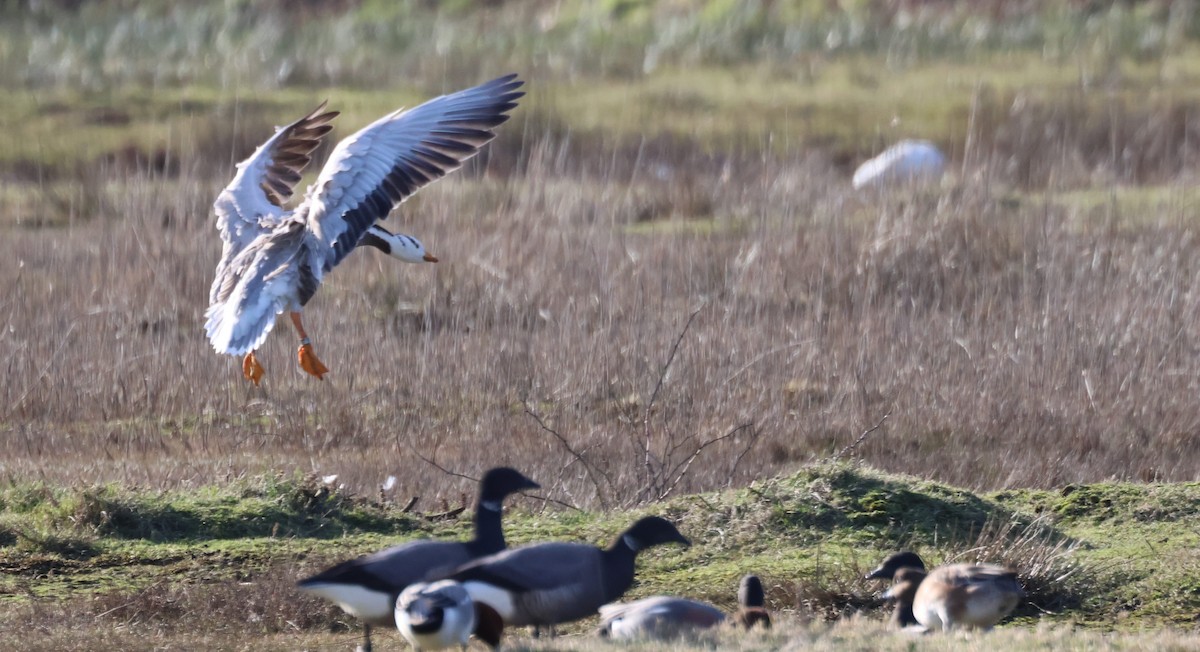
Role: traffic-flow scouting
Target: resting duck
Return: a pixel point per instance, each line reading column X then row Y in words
column 274, row 259
column 659, row 616
column 663, row 616
column 948, row 597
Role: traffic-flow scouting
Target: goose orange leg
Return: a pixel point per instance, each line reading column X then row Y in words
column 251, row 369
column 308, row 359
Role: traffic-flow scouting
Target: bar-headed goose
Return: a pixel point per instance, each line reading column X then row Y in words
column 442, row 615
column 365, row 587
column 550, row 583
column 948, row 597
column 274, row 259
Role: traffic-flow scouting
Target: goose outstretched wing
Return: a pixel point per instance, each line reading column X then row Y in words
column 371, row 172
column 253, row 201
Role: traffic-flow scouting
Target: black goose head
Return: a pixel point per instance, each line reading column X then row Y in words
column 498, row 483
column 887, row 570
column 750, row 592
column 651, row 531
column 495, row 486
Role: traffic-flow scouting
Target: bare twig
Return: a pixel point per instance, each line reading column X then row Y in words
column 443, row 469
column 439, row 466
column 852, row 446
column 652, row 476
column 62, row 342
column 592, row 471
column 444, row 516
column 676, row 474
column 754, row 437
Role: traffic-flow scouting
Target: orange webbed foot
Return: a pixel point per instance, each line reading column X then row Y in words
column 309, row 361
column 251, row 369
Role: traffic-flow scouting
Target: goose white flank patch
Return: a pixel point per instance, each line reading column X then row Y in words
column 908, row 161
column 274, row 259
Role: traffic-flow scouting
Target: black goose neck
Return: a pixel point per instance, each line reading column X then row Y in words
column 619, row 561
column 489, row 534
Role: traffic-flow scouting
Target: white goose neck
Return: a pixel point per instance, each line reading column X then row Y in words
column 631, row 542
column 490, row 505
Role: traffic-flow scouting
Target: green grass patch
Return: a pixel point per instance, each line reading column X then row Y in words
column 1098, row 555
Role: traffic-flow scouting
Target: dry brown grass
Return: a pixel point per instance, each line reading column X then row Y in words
column 1016, row 341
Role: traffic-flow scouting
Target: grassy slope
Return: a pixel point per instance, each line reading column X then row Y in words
column 114, row 567
column 1101, row 556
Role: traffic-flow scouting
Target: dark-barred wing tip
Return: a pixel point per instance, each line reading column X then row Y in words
column 293, row 152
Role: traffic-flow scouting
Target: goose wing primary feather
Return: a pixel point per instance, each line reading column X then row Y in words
column 371, row 172
column 253, row 202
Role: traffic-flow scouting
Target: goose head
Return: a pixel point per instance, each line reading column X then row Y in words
column 500, row 482
column 887, row 570
column 396, row 245
column 652, row 531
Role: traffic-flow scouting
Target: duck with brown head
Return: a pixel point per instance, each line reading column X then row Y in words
column 948, row 597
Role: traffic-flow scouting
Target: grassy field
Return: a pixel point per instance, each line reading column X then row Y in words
column 658, row 293
column 98, row 568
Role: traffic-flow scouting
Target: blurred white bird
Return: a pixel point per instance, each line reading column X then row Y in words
column 908, row 161
column 442, row 615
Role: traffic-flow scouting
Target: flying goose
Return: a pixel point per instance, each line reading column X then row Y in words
column 550, row 583
column 948, row 597
column 365, row 587
column 442, row 615
column 663, row 616
column 274, row 259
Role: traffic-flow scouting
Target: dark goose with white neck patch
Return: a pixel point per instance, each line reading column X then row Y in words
column 366, row 587
column 552, row 583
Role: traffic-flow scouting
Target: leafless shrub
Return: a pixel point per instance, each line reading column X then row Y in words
column 666, row 454
column 835, row 594
column 1016, row 341
column 1053, row 579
